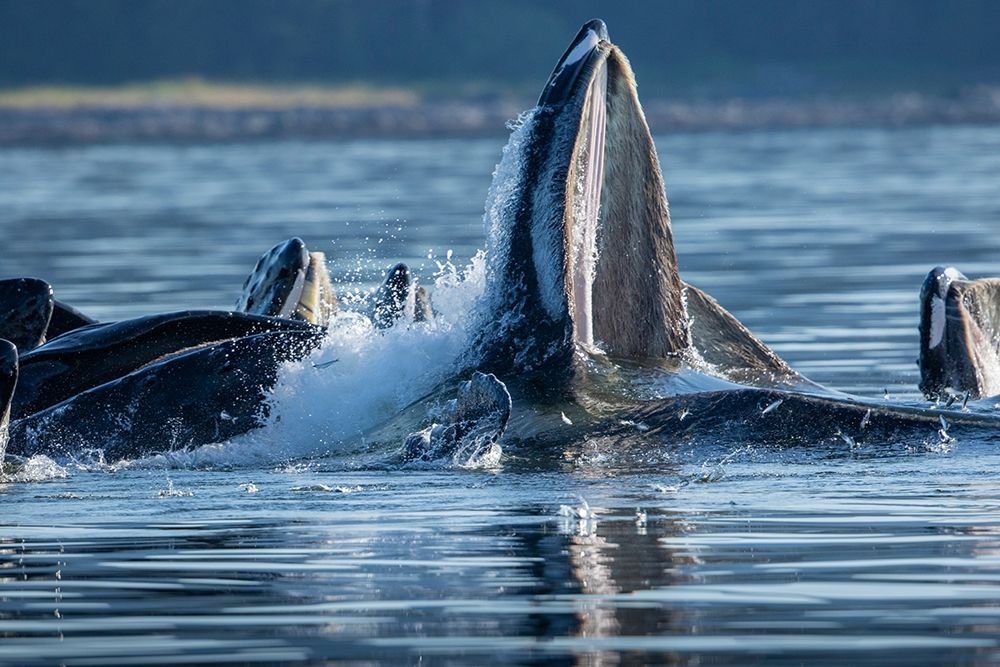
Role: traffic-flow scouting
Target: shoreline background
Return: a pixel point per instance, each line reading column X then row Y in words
column 112, row 71
column 200, row 112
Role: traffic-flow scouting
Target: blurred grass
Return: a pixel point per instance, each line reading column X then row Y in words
column 193, row 92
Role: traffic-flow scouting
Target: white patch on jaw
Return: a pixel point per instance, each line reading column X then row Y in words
column 937, row 321
column 582, row 47
column 938, row 314
column 953, row 274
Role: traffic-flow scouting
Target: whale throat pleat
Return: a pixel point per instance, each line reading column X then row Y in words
column 637, row 292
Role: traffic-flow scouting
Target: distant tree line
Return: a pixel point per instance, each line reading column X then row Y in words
column 695, row 46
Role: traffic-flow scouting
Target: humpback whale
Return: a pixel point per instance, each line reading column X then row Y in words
column 399, row 297
column 27, row 305
column 959, row 335
column 585, row 311
column 208, row 394
column 584, row 242
column 174, row 380
column 584, row 315
column 8, row 381
column 289, row 281
column 90, row 356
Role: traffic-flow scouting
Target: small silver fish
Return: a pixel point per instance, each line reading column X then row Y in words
column 866, row 418
column 773, row 406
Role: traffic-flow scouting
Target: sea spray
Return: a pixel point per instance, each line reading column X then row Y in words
column 322, row 406
column 358, row 379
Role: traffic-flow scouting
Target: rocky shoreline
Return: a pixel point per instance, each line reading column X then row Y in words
column 73, row 125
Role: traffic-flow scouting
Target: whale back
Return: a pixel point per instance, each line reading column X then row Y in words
column 92, row 355
column 66, row 318
column 208, row 394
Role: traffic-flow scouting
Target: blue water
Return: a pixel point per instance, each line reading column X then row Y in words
column 817, row 240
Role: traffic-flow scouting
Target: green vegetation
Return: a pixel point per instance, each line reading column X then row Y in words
column 196, row 92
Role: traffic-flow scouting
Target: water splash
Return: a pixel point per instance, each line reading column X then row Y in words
column 38, row 468
column 172, row 492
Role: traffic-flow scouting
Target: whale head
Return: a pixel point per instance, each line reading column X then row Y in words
column 579, row 245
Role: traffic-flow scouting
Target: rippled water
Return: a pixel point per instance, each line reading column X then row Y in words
column 817, row 240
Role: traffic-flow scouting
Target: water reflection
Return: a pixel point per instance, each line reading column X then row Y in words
column 761, row 564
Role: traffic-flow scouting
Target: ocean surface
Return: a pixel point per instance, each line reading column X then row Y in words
column 285, row 547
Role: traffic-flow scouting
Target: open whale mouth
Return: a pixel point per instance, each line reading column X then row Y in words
column 583, row 245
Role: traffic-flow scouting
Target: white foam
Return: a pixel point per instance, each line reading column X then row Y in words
column 359, row 378
column 38, row 468
column 502, row 200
